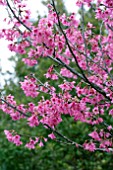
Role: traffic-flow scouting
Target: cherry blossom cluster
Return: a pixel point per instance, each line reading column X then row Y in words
column 16, row 139
column 84, row 60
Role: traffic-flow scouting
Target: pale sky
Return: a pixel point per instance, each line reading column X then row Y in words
column 33, row 5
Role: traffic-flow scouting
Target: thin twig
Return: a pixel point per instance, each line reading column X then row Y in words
column 13, row 107
column 17, row 17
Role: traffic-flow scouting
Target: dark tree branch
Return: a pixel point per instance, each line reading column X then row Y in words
column 53, row 130
column 97, row 88
column 17, row 17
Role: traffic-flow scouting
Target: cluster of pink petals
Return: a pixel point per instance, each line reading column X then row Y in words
column 67, row 86
column 15, row 115
column 33, row 121
column 30, row 87
column 50, row 74
column 31, row 144
column 89, row 146
column 66, row 73
column 52, row 136
column 13, row 138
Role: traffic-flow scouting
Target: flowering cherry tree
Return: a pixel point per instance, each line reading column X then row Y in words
column 84, row 62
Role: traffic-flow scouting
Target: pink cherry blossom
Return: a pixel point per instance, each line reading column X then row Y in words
column 52, row 136
column 79, row 81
